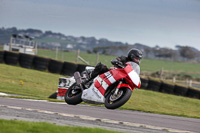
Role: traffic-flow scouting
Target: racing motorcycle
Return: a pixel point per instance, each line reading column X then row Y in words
column 112, row 88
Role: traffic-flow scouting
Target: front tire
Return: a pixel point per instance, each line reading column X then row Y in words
column 115, row 101
column 73, row 95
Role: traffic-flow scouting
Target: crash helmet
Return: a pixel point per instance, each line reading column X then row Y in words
column 135, row 55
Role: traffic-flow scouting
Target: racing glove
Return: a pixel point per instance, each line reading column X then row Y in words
column 117, row 63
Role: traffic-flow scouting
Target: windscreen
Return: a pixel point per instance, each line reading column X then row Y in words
column 135, row 67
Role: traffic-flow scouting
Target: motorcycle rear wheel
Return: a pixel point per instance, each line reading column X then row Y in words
column 115, row 101
column 73, row 95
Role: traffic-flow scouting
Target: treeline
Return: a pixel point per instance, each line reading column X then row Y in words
column 52, row 40
column 182, row 53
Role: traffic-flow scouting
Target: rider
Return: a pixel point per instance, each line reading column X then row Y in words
column 133, row 58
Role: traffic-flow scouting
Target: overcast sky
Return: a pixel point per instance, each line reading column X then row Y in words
column 151, row 22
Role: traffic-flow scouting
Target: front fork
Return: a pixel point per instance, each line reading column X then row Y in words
column 121, row 84
column 117, row 88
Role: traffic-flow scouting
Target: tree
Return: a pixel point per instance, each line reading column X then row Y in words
column 187, row 52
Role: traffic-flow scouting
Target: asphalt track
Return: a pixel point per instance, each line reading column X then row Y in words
column 133, row 120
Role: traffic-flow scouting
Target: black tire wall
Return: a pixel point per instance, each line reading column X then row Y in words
column 154, row 85
column 69, row 68
column 40, row 63
column 193, row 93
column 55, row 66
column 180, row 90
column 26, row 60
column 144, row 83
column 11, row 58
column 167, row 88
column 1, row 56
column 81, row 67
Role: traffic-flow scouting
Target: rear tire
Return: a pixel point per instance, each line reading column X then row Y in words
column 113, row 103
column 73, row 95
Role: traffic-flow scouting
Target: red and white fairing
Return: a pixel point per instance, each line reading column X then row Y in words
column 97, row 90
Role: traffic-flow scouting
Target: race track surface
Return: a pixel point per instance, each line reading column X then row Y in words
column 90, row 116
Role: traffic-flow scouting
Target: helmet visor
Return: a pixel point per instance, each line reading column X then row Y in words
column 137, row 60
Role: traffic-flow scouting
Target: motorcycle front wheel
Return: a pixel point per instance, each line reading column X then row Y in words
column 73, row 95
column 113, row 101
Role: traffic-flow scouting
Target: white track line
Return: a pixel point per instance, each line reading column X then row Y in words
column 98, row 119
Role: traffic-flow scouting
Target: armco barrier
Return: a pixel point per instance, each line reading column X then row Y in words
column 11, row 58
column 40, row 63
column 194, row 93
column 1, row 56
column 144, row 83
column 154, row 85
column 69, row 68
column 167, row 88
column 180, row 90
column 55, row 66
column 26, row 60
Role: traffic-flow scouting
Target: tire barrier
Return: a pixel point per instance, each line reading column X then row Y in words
column 69, row 68
column 26, row 60
column 11, row 58
column 154, row 85
column 180, row 90
column 193, row 93
column 40, row 63
column 167, row 88
column 55, row 66
column 81, row 67
column 1, row 56
column 144, row 83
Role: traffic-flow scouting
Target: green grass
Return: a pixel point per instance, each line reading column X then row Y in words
column 155, row 65
column 41, row 85
column 150, row 65
column 71, row 56
column 155, row 102
column 28, row 82
column 10, row 126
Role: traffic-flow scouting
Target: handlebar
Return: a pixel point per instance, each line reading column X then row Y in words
column 119, row 64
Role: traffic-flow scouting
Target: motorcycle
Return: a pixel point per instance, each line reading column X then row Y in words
column 112, row 88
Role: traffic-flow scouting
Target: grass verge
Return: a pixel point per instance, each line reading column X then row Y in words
column 156, row 102
column 10, row 126
column 28, row 82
